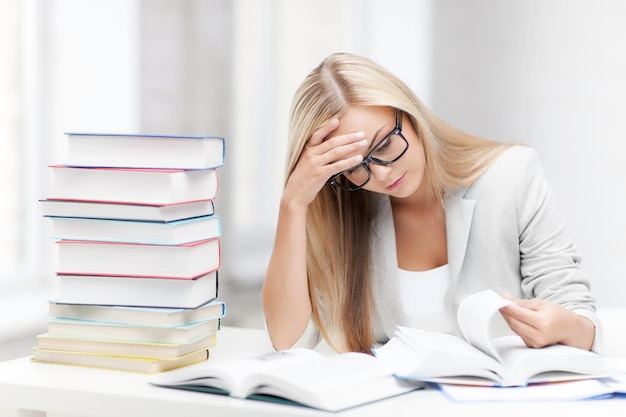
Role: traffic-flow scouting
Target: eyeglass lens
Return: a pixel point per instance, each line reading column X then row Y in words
column 385, row 152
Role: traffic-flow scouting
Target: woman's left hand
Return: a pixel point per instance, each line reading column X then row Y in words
column 541, row 323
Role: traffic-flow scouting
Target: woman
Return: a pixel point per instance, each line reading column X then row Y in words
column 389, row 216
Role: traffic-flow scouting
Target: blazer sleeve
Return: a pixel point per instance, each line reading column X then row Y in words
column 550, row 263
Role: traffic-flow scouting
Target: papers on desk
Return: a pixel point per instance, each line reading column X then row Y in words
column 617, row 384
column 585, row 389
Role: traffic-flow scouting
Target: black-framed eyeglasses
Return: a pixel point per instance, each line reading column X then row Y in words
column 387, row 151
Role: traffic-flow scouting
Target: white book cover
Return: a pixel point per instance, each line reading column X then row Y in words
column 138, row 292
column 158, row 233
column 186, row 261
column 164, row 316
column 139, row 186
column 127, row 211
column 143, row 150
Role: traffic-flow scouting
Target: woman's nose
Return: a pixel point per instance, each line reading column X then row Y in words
column 380, row 172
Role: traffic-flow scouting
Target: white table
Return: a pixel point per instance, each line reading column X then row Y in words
column 30, row 389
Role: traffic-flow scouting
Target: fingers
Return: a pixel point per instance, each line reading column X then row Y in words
column 343, row 164
column 542, row 323
column 538, row 322
column 524, row 330
column 322, row 132
column 528, row 314
column 517, row 319
column 325, row 160
column 324, row 156
column 327, row 154
column 521, row 321
column 532, row 304
column 323, row 136
column 339, row 147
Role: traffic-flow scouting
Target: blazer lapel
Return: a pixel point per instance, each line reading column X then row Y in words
column 459, row 213
column 385, row 270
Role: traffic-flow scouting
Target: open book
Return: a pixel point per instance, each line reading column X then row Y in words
column 296, row 376
column 480, row 359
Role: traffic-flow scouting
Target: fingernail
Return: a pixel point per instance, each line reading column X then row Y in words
column 359, row 135
column 363, row 143
column 358, row 158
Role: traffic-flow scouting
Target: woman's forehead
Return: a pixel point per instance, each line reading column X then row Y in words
column 366, row 119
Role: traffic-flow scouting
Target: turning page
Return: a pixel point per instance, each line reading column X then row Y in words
column 474, row 316
column 477, row 358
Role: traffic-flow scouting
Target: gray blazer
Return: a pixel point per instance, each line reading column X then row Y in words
column 504, row 232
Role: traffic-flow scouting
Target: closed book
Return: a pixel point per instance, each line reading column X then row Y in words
column 143, row 292
column 157, row 316
column 121, row 363
column 122, row 211
column 128, row 332
column 187, row 261
column 141, row 186
column 125, row 347
column 159, row 233
column 141, row 151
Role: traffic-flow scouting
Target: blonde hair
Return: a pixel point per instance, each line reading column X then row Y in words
column 338, row 222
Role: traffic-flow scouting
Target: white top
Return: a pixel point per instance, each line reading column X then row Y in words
column 422, row 294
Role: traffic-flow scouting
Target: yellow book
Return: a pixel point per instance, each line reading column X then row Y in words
column 124, row 347
column 123, row 363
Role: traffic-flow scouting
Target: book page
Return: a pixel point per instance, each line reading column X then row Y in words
column 417, row 354
column 334, row 383
column 474, row 316
column 228, row 377
column 563, row 391
column 548, row 364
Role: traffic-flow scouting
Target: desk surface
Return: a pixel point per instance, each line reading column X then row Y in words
column 47, row 390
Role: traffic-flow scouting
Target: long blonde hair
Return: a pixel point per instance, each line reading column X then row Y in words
column 338, row 222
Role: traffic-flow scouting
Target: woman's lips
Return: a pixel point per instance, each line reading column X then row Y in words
column 397, row 184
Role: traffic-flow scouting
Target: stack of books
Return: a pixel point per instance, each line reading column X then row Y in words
column 138, row 252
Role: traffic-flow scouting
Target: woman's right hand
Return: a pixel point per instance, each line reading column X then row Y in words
column 322, row 157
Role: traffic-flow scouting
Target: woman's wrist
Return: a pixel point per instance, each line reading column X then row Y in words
column 582, row 334
column 293, row 206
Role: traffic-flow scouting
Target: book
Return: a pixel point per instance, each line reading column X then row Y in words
column 159, row 316
column 126, row 348
column 187, row 261
column 122, row 363
column 122, row 211
column 159, row 233
column 139, row 292
column 583, row 389
column 135, row 186
column 184, row 333
column 141, row 150
column 477, row 358
column 297, row 377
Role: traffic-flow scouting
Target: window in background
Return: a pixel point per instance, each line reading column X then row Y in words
column 10, row 135
column 23, row 279
column 63, row 68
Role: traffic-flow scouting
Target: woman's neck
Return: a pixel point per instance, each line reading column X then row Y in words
column 421, row 200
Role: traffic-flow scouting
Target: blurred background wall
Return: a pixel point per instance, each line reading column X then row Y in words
column 548, row 73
